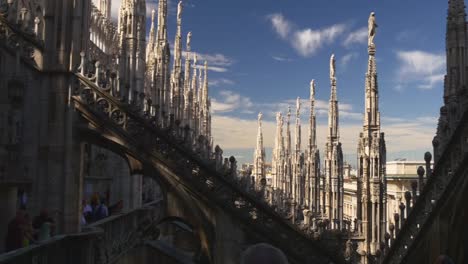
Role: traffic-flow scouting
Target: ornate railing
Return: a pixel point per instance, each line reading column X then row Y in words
column 27, row 46
column 123, row 232
column 447, row 171
column 101, row 242
column 73, row 249
column 167, row 149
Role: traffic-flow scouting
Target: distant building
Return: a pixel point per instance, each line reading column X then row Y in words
column 400, row 176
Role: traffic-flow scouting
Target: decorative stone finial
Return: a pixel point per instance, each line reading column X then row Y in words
column 428, row 157
column 421, row 171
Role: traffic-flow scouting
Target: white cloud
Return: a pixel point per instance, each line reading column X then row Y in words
column 358, row 36
column 344, row 61
column 150, row 5
column 280, row 25
column 216, row 59
column 308, row 41
column 305, row 41
column 280, row 58
column 228, row 101
column 216, row 62
column 221, row 81
column 420, row 67
column 212, row 68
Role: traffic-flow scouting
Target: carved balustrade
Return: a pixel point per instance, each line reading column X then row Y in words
column 103, row 39
column 165, row 147
column 123, row 232
column 449, row 168
column 26, row 16
column 27, row 45
column 101, row 242
column 73, row 249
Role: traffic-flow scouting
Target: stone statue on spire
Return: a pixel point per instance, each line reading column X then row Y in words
column 260, row 116
column 372, row 29
column 298, row 106
column 179, row 11
column 332, row 66
column 189, row 39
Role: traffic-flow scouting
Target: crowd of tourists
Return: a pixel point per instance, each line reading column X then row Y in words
column 97, row 209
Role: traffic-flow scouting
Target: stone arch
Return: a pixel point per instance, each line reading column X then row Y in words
column 177, row 200
column 184, row 234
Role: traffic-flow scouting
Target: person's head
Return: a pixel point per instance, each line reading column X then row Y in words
column 263, row 253
column 443, row 259
column 95, row 199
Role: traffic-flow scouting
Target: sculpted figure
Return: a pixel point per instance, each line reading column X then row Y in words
column 298, row 105
column 189, row 39
column 179, row 11
column 260, row 115
column 372, row 28
column 332, row 66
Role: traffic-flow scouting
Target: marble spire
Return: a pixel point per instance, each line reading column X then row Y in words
column 178, row 40
column 371, row 113
column 333, row 158
column 188, row 103
column 151, row 38
column 312, row 120
column 206, row 103
column 278, row 152
column 161, row 92
column 259, row 157
column 312, row 184
column 297, row 172
column 177, row 78
column 371, row 189
column 162, row 21
column 195, row 102
column 288, row 156
column 333, row 134
column 132, row 29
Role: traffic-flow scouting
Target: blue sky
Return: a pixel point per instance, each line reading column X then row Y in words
column 264, row 53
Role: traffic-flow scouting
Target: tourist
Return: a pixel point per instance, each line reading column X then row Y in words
column 101, row 211
column 94, row 205
column 263, row 253
column 28, row 231
column 43, row 224
column 14, row 237
column 87, row 212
